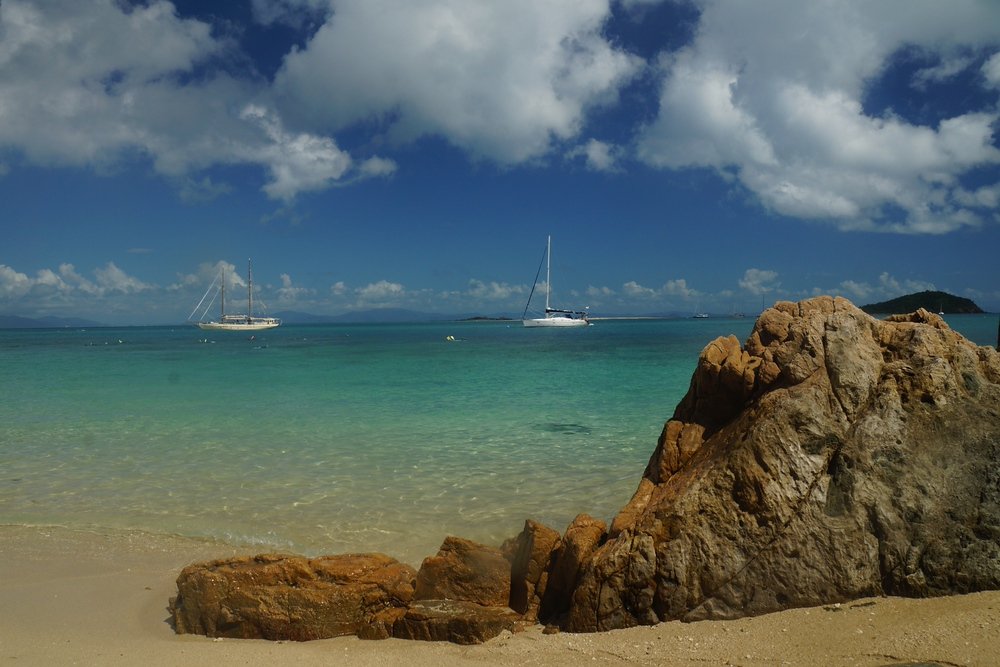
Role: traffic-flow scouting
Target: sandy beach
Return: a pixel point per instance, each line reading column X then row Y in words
column 75, row 597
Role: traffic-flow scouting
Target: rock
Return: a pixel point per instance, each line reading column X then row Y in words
column 457, row 621
column 833, row 456
column 289, row 597
column 579, row 543
column 465, row 570
column 532, row 554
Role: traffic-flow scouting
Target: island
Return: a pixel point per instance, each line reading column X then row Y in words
column 932, row 301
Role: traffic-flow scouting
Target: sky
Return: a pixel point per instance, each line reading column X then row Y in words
column 684, row 155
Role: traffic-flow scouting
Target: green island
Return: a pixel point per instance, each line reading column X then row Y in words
column 936, row 302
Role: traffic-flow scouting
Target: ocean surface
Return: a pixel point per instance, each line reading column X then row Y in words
column 342, row 438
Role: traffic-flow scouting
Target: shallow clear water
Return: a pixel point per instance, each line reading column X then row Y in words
column 328, row 439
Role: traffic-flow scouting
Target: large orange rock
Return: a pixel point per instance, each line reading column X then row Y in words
column 289, row 597
column 465, row 570
column 833, row 456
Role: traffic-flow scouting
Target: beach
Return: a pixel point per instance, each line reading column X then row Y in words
column 70, row 596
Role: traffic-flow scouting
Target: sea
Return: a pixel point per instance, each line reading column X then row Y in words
column 343, row 438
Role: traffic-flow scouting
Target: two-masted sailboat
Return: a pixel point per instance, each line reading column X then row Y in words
column 554, row 317
column 229, row 321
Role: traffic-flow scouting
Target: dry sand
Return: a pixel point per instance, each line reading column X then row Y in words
column 74, row 597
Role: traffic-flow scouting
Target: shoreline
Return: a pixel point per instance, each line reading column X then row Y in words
column 100, row 597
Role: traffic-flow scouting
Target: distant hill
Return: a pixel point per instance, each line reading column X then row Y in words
column 16, row 322
column 936, row 302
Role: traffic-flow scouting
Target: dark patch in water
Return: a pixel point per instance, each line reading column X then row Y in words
column 567, row 429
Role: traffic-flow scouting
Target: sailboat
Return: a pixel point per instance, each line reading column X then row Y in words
column 554, row 317
column 230, row 322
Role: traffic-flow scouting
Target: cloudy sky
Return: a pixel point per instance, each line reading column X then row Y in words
column 684, row 154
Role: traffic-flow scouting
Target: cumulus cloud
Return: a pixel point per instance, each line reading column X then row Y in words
column 991, row 71
column 759, row 281
column 59, row 288
column 635, row 290
column 147, row 87
column 289, row 293
column 598, row 155
column 886, row 287
column 298, row 161
column 772, row 93
column 380, row 291
column 493, row 291
column 501, row 80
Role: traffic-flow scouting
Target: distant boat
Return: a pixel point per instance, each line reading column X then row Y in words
column 554, row 317
column 700, row 316
column 228, row 321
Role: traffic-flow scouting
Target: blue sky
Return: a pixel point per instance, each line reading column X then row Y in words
column 684, row 155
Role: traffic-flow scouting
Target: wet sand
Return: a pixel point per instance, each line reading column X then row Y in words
column 76, row 597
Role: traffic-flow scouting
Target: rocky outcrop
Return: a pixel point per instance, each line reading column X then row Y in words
column 290, row 597
column 831, row 457
column 460, row 595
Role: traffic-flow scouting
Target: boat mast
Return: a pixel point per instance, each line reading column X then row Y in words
column 249, row 290
column 548, row 273
column 222, row 301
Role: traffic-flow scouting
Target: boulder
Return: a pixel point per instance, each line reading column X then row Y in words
column 532, row 555
column 465, row 570
column 290, row 597
column 832, row 456
column 456, row 621
column 581, row 540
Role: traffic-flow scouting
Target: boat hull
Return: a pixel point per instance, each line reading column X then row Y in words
column 239, row 326
column 555, row 322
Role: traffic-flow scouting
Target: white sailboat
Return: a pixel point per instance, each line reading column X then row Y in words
column 554, row 317
column 228, row 321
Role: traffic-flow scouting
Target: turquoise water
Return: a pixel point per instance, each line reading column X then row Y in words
column 329, row 439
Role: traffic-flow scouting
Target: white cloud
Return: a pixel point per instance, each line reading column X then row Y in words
column 991, row 71
column 298, row 161
column 383, row 290
column 500, row 80
column 295, row 13
column 635, row 290
column 759, row 281
column 946, row 69
column 339, row 288
column 598, row 155
column 987, row 196
column 64, row 289
column 112, row 279
column 599, row 292
column 679, row 288
column 771, row 92
column 493, row 291
column 96, row 84
column 289, row 293
column 854, row 290
column 13, row 284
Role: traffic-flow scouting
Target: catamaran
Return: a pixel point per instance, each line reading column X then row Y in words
column 554, row 317
column 227, row 321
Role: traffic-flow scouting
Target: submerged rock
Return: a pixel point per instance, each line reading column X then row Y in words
column 833, row 456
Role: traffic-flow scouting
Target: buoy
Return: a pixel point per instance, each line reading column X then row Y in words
column 451, row 338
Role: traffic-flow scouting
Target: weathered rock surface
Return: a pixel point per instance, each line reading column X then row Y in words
column 465, row 570
column 533, row 552
column 289, row 597
column 457, row 621
column 831, row 457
